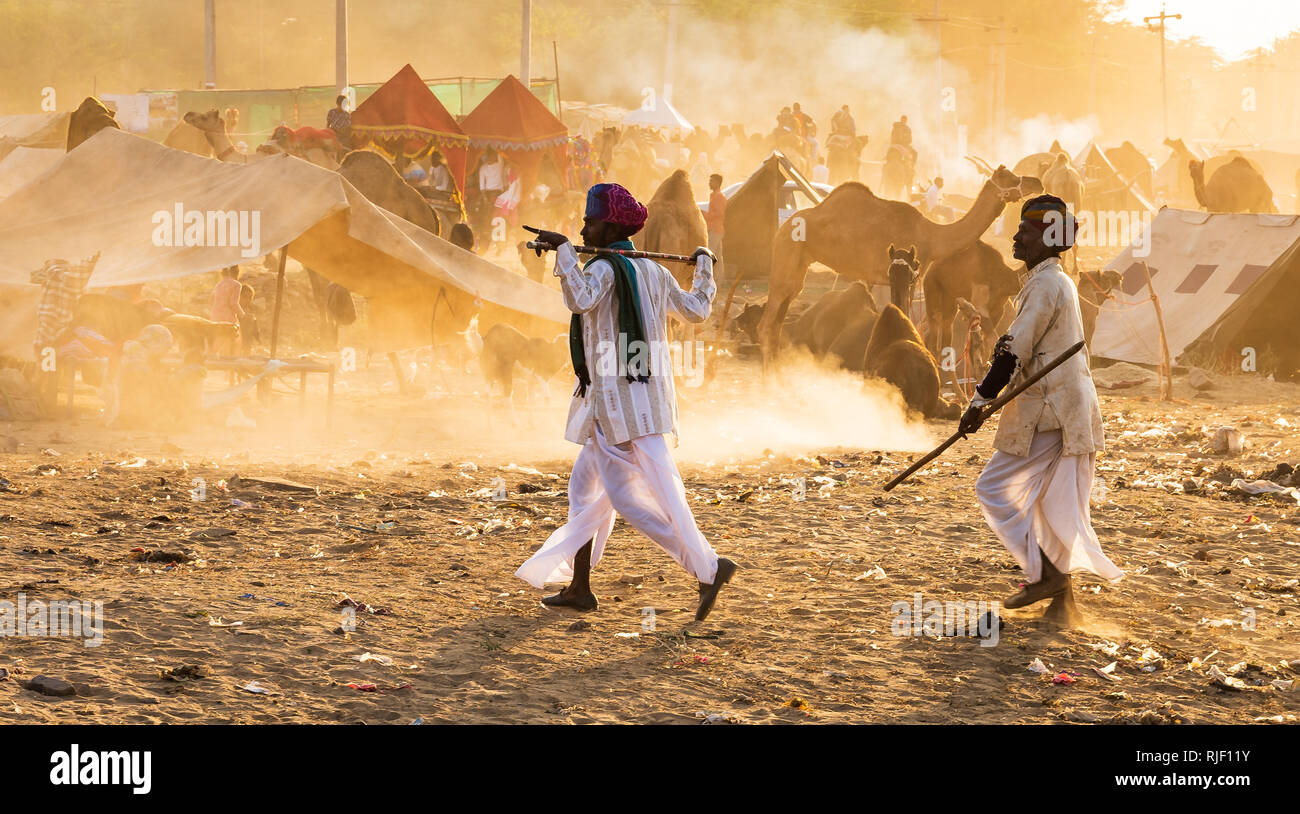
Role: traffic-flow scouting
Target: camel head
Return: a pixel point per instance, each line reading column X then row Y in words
column 281, row 134
column 1012, row 187
column 906, row 257
column 209, row 122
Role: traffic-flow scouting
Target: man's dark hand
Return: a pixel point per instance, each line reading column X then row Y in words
column 971, row 420
column 701, row 250
column 553, row 239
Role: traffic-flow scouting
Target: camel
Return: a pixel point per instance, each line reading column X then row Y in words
column 1235, row 187
column 831, row 314
column 88, row 119
column 843, row 157
column 897, row 173
column 903, row 267
column 1064, row 181
column 320, row 146
column 896, row 355
column 1173, row 181
column 1094, row 289
column 850, row 229
column 213, row 128
column 187, row 137
column 849, row 349
column 375, row 178
column 675, row 224
column 748, row 227
column 955, row 279
column 1133, row 164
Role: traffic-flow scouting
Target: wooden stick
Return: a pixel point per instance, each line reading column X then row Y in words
column 988, row 410
column 677, row 258
column 1166, row 364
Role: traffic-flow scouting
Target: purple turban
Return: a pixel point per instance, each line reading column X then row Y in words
column 613, row 203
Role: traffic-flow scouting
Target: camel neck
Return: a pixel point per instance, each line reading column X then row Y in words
column 967, row 229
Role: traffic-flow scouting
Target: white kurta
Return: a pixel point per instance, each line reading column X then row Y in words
column 637, row 479
column 626, row 410
column 1035, row 489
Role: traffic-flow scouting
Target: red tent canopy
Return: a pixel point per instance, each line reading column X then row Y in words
column 511, row 119
column 403, row 116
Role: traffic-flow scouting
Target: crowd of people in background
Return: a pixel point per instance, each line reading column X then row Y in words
column 498, row 198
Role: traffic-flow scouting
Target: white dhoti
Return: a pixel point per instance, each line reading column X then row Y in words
column 1039, row 503
column 639, row 481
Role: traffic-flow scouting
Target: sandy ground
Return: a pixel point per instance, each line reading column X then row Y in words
column 803, row 635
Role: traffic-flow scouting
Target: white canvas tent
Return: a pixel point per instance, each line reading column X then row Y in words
column 661, row 114
column 22, row 164
column 115, row 193
column 1200, row 264
column 34, row 130
column 587, row 120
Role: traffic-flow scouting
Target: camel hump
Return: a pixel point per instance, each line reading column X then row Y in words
column 892, row 326
column 676, row 187
column 849, row 189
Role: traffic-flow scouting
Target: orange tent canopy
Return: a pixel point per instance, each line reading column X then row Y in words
column 403, row 115
column 513, row 120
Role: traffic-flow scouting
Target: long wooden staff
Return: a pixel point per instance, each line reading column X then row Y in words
column 679, row 258
column 987, row 411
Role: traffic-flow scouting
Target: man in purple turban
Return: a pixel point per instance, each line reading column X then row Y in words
column 624, row 405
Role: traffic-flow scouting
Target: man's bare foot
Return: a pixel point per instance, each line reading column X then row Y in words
column 1046, row 588
column 583, row 600
column 709, row 593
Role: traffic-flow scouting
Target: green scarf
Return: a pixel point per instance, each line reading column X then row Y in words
column 628, row 302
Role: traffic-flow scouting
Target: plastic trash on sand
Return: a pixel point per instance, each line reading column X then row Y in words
column 1037, row 666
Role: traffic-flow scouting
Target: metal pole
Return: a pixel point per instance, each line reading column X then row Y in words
column 1164, row 85
column 555, row 54
column 669, row 53
column 525, row 40
column 210, row 44
column 341, row 45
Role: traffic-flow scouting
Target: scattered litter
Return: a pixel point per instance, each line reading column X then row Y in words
column 1263, row 487
column 1063, row 678
column 255, row 687
column 386, row 661
column 1107, row 672
column 1037, row 666
column 627, row 635
column 216, row 621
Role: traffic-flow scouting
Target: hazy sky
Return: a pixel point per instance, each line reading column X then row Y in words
column 1231, row 27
